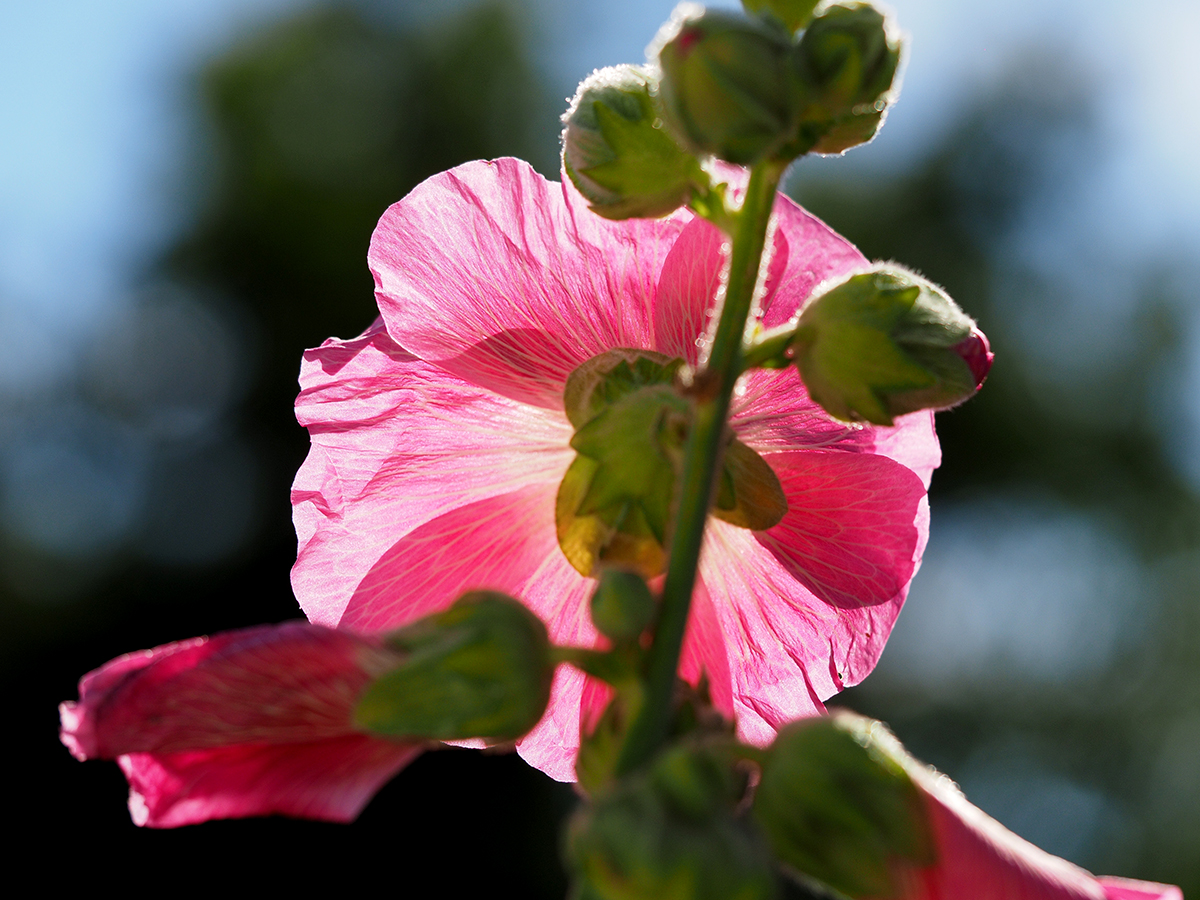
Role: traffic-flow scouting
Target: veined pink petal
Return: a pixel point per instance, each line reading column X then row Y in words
column 816, row 253
column 331, row 780
column 487, row 271
column 805, row 608
column 244, row 723
column 397, row 442
column 979, row 858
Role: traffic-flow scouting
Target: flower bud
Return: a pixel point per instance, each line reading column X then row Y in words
column 616, row 152
column 836, row 804
column 482, row 669
column 792, row 14
column 847, row 61
column 622, row 606
column 728, row 84
column 887, row 342
column 669, row 833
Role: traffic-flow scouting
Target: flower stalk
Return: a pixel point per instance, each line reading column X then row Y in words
column 712, row 388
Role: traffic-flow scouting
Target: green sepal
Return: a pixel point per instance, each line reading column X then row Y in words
column 837, row 805
column 480, row 669
column 792, row 14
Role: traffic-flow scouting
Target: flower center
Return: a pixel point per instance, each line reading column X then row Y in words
column 631, row 422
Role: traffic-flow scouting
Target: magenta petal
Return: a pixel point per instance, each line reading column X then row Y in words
column 397, row 442
column 331, row 779
column 491, row 250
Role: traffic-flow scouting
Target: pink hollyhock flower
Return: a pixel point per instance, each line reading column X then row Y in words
column 439, row 441
column 977, row 857
column 245, row 723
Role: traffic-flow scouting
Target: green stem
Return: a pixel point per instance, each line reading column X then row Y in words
column 702, row 456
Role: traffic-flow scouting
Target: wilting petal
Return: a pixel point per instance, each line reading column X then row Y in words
column 397, row 442
column 330, row 780
column 492, row 249
column 977, row 857
column 244, row 723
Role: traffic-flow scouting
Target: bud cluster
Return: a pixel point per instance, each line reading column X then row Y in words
column 754, row 88
column 768, row 86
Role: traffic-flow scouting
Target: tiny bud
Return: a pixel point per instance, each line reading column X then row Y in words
column 792, row 14
column 887, row 342
column 616, row 152
column 847, row 61
column 728, row 83
column 481, row 669
column 670, row 832
column 622, row 606
column 836, row 804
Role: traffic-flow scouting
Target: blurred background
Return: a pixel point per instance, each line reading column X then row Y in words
column 186, row 195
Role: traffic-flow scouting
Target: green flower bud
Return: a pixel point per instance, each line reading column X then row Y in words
column 792, row 14
column 836, row 804
column 616, row 152
column 622, row 606
column 614, row 503
column 481, row 669
column 847, row 61
column 669, row 833
column 728, row 83
column 887, row 342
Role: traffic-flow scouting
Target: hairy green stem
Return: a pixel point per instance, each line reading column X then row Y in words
column 713, row 386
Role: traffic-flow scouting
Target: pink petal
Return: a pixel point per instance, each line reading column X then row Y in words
column 687, row 289
column 805, row 608
column 397, row 442
column 981, row 859
column 331, row 779
column 504, row 543
column 488, row 270
column 245, row 723
column 1128, row 889
column 276, row 683
column 816, row 253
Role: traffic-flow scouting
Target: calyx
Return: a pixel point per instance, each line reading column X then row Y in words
column 631, row 422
